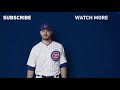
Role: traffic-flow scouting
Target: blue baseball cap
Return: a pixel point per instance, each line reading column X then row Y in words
column 46, row 27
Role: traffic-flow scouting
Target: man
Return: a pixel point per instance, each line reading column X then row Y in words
column 47, row 58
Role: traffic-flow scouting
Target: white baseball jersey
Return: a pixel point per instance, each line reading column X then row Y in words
column 47, row 59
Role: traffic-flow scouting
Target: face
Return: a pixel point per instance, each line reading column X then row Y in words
column 46, row 34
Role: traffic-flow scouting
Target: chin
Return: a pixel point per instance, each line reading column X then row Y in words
column 46, row 38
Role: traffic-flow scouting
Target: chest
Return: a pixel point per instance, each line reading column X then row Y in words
column 52, row 53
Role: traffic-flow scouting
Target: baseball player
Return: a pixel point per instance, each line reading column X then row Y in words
column 47, row 58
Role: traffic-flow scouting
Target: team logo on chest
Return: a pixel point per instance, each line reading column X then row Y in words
column 55, row 55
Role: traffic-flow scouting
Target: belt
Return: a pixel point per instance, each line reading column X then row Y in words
column 42, row 76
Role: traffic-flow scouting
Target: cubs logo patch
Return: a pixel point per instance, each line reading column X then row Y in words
column 55, row 55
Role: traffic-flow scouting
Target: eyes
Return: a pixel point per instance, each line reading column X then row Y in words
column 45, row 31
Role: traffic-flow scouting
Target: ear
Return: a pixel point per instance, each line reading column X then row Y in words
column 40, row 32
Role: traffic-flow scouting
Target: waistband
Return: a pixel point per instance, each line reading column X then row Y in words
column 42, row 76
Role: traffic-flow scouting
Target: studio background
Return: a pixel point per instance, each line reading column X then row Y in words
column 92, row 47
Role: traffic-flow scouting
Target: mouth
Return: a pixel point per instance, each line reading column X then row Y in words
column 45, row 35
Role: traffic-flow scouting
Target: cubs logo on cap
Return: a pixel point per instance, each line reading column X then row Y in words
column 55, row 55
column 46, row 27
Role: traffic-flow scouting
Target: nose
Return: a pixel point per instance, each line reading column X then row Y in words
column 45, row 32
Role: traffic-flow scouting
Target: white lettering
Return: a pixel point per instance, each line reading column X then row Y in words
column 101, row 17
column 4, row 17
column 17, row 17
column 91, row 17
column 84, row 17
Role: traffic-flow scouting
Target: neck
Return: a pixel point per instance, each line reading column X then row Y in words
column 46, row 42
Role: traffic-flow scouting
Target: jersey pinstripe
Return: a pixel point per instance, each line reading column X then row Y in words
column 47, row 59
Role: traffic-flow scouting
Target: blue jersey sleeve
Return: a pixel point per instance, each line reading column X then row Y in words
column 63, row 65
column 31, row 68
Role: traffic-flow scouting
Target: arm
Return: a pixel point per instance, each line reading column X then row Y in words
column 30, row 71
column 63, row 63
column 63, row 72
column 31, row 63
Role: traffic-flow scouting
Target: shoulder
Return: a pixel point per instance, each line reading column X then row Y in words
column 57, row 44
column 36, row 46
